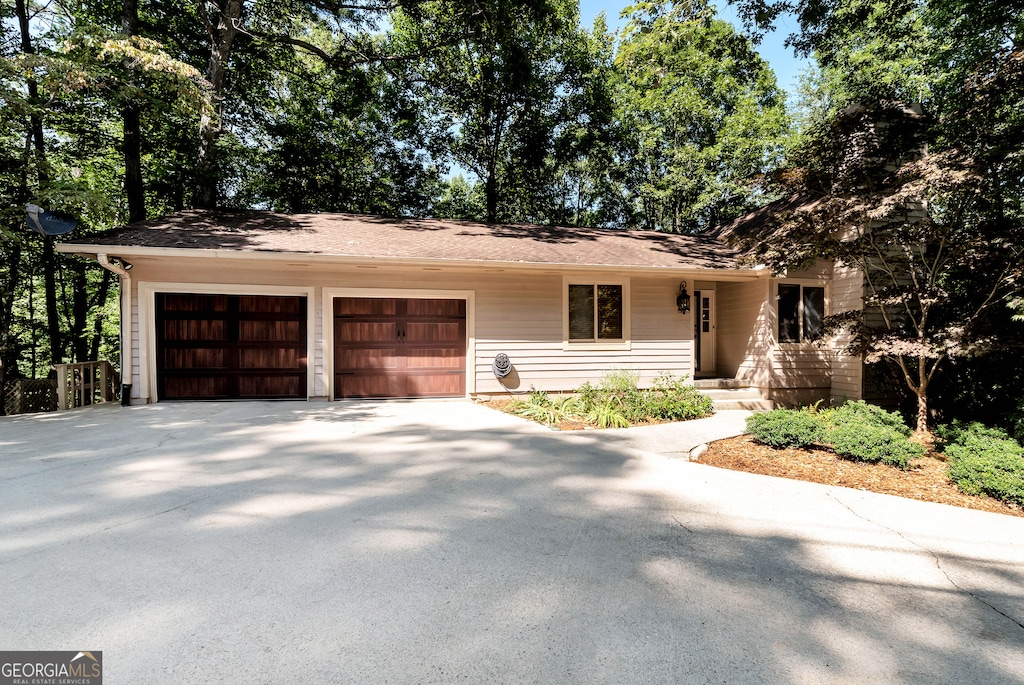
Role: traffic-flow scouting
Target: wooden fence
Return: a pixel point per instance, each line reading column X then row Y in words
column 27, row 395
column 85, row 383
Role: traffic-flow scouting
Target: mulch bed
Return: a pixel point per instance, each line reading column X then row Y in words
column 926, row 480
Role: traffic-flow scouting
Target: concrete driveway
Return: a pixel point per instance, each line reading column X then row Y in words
column 437, row 542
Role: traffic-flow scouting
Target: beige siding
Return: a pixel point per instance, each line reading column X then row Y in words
column 847, row 294
column 518, row 313
column 744, row 337
column 801, row 372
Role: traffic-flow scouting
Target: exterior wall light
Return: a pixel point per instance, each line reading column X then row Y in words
column 683, row 299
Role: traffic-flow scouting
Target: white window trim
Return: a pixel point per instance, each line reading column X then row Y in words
column 600, row 345
column 147, row 323
column 327, row 312
column 803, row 283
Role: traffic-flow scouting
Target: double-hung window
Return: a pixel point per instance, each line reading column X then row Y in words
column 801, row 310
column 596, row 313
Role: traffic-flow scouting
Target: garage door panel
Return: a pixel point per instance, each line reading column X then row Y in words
column 372, row 332
column 365, row 306
column 187, row 302
column 207, row 387
column 435, row 307
column 276, row 331
column 387, row 347
column 357, row 358
column 270, row 386
column 433, row 332
column 432, row 358
column 231, row 346
column 434, row 385
column 194, row 358
column 194, row 329
column 261, row 304
column 270, row 359
column 367, row 385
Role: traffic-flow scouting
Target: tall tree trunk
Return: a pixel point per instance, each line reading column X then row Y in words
column 52, row 317
column 79, row 311
column 134, row 190
column 222, row 35
column 42, row 173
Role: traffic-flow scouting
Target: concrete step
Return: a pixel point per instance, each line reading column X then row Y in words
column 748, row 405
column 733, row 394
column 720, row 384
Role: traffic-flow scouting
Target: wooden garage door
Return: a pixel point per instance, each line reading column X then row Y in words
column 230, row 346
column 392, row 347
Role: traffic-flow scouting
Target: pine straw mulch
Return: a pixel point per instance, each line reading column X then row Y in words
column 926, row 480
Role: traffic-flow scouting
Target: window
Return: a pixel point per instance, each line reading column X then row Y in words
column 595, row 312
column 801, row 309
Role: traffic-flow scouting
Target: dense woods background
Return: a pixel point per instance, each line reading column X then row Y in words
column 119, row 110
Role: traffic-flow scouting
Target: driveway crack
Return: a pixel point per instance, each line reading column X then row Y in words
column 938, row 561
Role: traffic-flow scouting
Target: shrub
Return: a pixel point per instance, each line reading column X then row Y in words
column 608, row 415
column 1017, row 423
column 672, row 399
column 871, row 443
column 985, row 461
column 960, row 431
column 864, row 414
column 785, row 428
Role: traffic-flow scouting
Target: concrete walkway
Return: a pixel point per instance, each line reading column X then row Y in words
column 440, row 542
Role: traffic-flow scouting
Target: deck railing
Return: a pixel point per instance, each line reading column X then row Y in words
column 85, row 383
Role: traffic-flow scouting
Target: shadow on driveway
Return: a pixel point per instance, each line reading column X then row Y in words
column 442, row 541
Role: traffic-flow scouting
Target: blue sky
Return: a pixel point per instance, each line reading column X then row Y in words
column 786, row 65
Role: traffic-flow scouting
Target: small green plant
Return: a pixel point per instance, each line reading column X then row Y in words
column 862, row 413
column 608, row 415
column 871, row 443
column 618, row 402
column 984, row 461
column 785, row 428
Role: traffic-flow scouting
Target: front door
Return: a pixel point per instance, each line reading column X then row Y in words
column 704, row 334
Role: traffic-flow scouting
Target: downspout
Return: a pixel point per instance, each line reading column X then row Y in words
column 126, row 326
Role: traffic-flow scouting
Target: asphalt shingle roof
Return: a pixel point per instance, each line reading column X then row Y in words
column 350, row 235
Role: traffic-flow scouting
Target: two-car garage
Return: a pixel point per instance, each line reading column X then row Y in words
column 241, row 346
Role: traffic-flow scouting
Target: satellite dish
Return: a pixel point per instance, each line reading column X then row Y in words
column 48, row 223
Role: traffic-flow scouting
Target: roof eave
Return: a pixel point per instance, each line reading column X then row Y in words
column 91, row 251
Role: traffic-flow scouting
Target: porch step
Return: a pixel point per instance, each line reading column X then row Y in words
column 728, row 393
column 719, row 383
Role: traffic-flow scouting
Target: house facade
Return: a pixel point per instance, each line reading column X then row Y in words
column 263, row 305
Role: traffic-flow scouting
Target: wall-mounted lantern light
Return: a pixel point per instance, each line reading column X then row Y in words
column 683, row 299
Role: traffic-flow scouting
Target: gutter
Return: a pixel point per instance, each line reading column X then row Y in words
column 386, row 261
column 126, row 323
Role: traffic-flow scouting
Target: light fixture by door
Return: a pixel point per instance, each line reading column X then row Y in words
column 683, row 299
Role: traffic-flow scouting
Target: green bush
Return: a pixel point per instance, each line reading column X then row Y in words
column 618, row 402
column 985, row 461
column 862, row 413
column 960, row 431
column 871, row 443
column 785, row 428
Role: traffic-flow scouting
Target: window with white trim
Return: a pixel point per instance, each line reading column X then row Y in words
column 596, row 312
column 801, row 309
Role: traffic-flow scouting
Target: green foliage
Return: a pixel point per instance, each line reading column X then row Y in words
column 785, row 428
column 608, row 415
column 863, row 441
column 985, row 461
column 699, row 114
column 855, row 430
column 862, row 413
column 618, row 402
